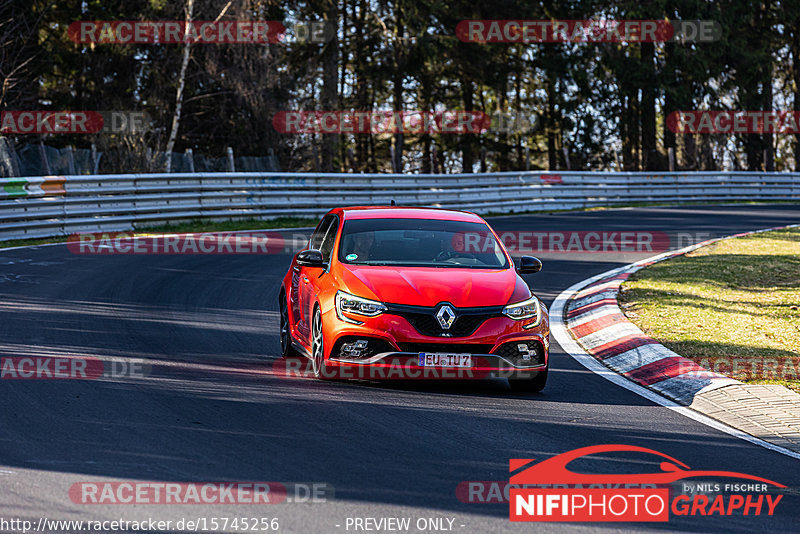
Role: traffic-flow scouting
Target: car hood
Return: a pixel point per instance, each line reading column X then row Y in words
column 428, row 286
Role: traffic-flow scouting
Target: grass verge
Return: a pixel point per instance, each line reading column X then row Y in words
column 732, row 307
column 197, row 226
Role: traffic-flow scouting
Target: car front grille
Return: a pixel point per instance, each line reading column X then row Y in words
column 427, row 325
column 424, row 321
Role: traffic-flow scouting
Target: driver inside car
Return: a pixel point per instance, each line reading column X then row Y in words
column 362, row 245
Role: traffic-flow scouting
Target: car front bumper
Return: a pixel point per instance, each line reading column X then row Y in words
column 495, row 346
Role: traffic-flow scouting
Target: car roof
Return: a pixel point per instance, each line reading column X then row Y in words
column 406, row 212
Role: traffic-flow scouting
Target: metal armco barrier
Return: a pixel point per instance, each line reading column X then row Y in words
column 61, row 205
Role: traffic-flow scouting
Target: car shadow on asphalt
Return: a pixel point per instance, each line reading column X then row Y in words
column 377, row 445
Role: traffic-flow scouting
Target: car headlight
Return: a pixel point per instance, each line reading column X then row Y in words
column 527, row 309
column 353, row 305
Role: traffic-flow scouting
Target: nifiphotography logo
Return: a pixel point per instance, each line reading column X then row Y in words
column 549, row 491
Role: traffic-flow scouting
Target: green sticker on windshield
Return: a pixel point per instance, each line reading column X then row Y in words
column 351, row 257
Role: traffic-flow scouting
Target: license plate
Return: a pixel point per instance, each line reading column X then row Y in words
column 444, row 359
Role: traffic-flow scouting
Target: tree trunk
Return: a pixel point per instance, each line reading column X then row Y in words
column 648, row 110
column 399, row 75
column 795, row 51
column 503, row 160
column 669, row 82
column 342, row 75
column 330, row 61
column 425, row 139
column 552, row 154
column 689, row 152
column 467, row 154
column 176, row 117
column 362, row 97
column 769, row 137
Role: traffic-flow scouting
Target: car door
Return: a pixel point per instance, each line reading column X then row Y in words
column 302, row 286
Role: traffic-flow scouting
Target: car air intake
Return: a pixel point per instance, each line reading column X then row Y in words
column 526, row 353
column 360, row 347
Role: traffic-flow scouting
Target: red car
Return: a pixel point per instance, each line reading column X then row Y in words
column 397, row 292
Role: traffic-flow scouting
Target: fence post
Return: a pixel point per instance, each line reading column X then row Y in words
column 71, row 160
column 392, row 157
column 273, row 161
column 190, row 159
column 95, row 159
column 315, row 155
column 43, row 155
column 231, row 165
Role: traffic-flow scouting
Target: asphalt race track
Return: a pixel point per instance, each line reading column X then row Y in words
column 212, row 408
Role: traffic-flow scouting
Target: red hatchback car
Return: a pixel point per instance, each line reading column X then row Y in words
column 397, row 292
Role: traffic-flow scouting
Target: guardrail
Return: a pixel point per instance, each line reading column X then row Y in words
column 61, row 205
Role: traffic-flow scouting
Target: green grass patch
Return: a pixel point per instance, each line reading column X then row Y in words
column 230, row 226
column 731, row 307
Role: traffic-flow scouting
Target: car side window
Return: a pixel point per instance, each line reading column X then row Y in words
column 327, row 242
column 319, row 233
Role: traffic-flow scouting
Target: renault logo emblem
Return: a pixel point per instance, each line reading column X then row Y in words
column 446, row 317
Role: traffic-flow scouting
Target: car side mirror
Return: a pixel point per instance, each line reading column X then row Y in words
column 529, row 265
column 310, row 258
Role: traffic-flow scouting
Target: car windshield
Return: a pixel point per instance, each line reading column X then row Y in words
column 420, row 243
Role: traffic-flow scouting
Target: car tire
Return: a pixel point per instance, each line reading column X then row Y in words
column 321, row 369
column 287, row 351
column 529, row 385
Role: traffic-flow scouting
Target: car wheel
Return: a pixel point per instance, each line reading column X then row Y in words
column 529, row 385
column 287, row 351
column 321, row 369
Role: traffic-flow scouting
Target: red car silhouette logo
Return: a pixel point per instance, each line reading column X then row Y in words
column 554, row 470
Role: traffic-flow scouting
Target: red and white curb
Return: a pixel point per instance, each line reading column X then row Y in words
column 587, row 322
column 595, row 320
